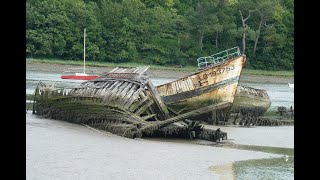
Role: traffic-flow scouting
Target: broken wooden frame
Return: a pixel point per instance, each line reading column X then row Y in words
column 122, row 101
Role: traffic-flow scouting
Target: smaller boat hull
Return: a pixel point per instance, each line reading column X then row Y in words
column 251, row 100
column 77, row 77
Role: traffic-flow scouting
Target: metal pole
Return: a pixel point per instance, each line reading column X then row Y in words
column 84, row 51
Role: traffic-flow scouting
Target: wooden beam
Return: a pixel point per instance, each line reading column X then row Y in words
column 143, row 108
column 206, row 109
column 159, row 102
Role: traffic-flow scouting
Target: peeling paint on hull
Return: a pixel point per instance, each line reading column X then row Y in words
column 204, row 87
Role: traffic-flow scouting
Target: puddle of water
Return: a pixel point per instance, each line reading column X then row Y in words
column 274, row 168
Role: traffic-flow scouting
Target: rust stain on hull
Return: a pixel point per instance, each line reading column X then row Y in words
column 207, row 86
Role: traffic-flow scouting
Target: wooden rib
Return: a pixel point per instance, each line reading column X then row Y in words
column 134, row 96
column 153, row 112
column 144, row 108
column 129, row 94
column 114, row 91
column 148, row 116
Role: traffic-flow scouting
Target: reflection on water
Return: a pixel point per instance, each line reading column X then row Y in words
column 275, row 168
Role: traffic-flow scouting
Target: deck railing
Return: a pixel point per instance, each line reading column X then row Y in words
column 218, row 58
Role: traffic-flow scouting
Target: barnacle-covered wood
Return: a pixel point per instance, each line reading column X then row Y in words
column 123, row 101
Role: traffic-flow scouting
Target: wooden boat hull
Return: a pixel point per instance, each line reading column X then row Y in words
column 123, row 102
column 252, row 100
column 205, row 87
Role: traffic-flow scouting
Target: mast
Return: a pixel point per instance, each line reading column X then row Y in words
column 84, row 51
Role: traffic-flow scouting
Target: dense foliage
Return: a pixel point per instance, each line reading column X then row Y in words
column 164, row 32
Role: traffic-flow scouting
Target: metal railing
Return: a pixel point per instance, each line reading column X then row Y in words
column 218, row 58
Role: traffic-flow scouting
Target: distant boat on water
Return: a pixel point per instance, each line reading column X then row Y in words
column 291, row 85
column 80, row 75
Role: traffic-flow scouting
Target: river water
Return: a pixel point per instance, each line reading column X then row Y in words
column 61, row 150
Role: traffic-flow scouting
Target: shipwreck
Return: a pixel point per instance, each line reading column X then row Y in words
column 125, row 102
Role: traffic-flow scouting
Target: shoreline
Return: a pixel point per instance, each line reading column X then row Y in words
column 59, row 68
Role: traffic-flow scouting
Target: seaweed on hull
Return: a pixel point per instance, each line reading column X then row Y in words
column 123, row 102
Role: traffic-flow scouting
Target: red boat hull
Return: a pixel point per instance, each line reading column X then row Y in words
column 79, row 77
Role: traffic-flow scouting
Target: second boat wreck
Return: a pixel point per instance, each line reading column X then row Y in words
column 125, row 102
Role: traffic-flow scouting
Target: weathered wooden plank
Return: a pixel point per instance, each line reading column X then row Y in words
column 124, row 92
column 159, row 124
column 144, row 108
column 148, row 116
column 115, row 80
column 173, row 111
column 154, row 112
column 121, row 88
column 133, row 108
column 117, row 70
column 122, row 71
column 113, row 92
column 131, row 91
column 106, row 92
column 143, row 70
column 134, row 96
column 158, row 100
column 114, row 69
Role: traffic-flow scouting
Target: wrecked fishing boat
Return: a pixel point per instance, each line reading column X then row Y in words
column 248, row 102
column 248, row 107
column 215, row 81
column 251, row 100
column 124, row 102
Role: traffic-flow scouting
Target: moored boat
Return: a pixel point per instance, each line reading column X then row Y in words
column 80, row 75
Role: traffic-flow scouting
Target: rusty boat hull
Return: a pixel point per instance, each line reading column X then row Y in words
column 213, row 84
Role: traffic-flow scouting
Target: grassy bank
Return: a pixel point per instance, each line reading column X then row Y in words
column 155, row 67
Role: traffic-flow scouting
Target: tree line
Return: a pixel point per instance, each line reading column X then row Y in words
column 163, row 32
